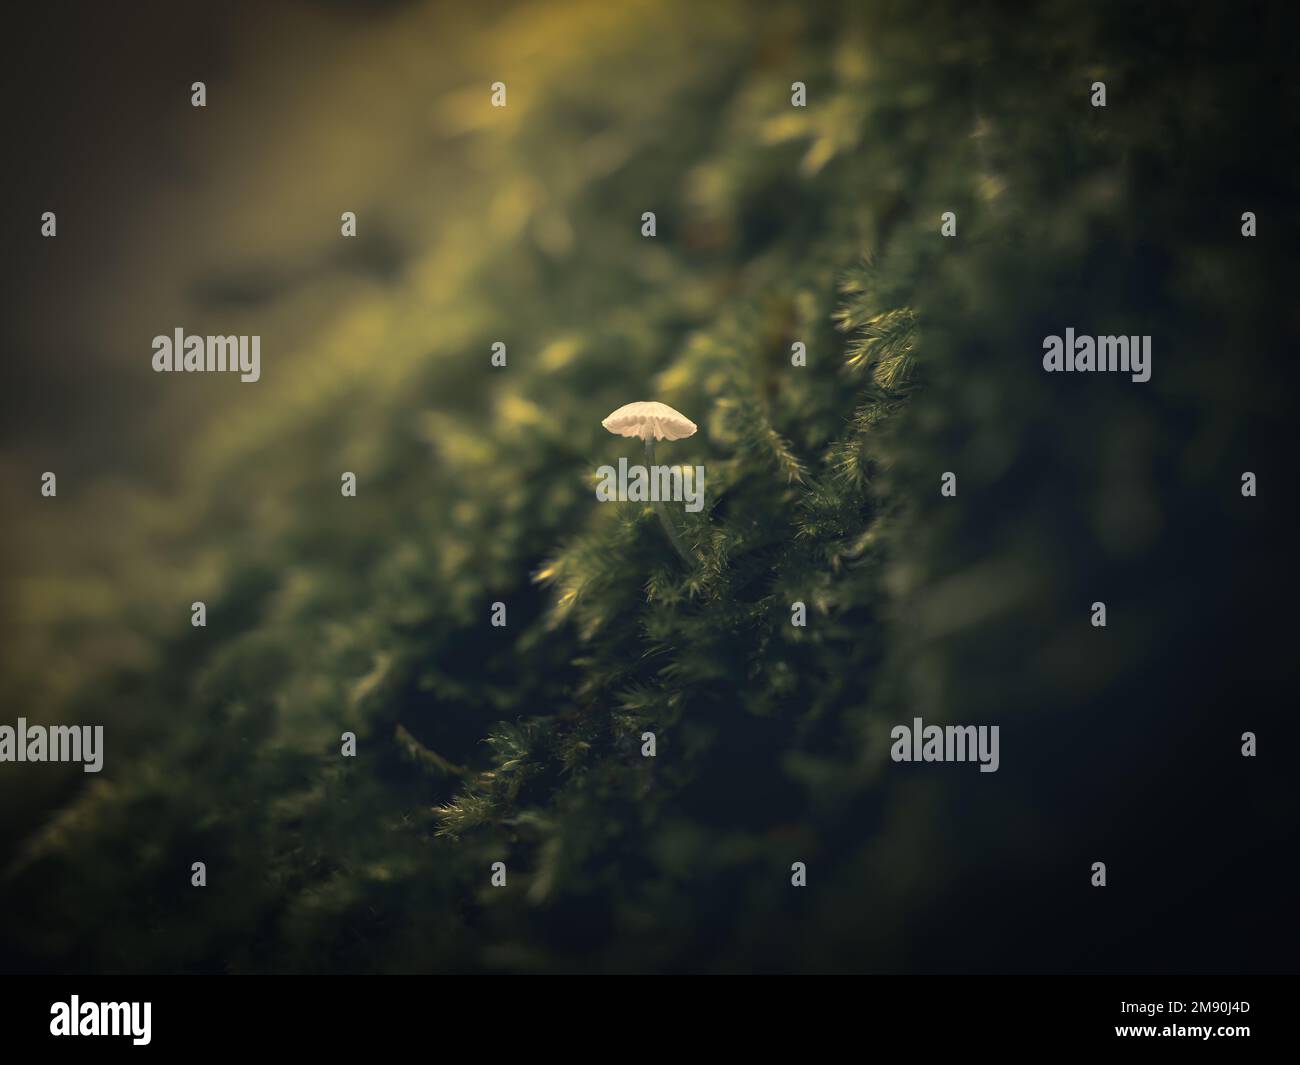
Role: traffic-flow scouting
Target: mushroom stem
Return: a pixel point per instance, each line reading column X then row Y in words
column 662, row 510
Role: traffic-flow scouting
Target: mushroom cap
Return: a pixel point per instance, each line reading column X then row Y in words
column 648, row 419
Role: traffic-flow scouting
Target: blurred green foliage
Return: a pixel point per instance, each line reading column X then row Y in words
column 522, row 744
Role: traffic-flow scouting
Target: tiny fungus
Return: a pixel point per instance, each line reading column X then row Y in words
column 654, row 421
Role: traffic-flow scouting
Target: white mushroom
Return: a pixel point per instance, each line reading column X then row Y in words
column 650, row 420
column 653, row 421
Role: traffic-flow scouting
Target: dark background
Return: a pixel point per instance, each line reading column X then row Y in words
column 1119, row 745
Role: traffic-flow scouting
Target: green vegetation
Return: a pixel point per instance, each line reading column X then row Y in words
column 523, row 744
